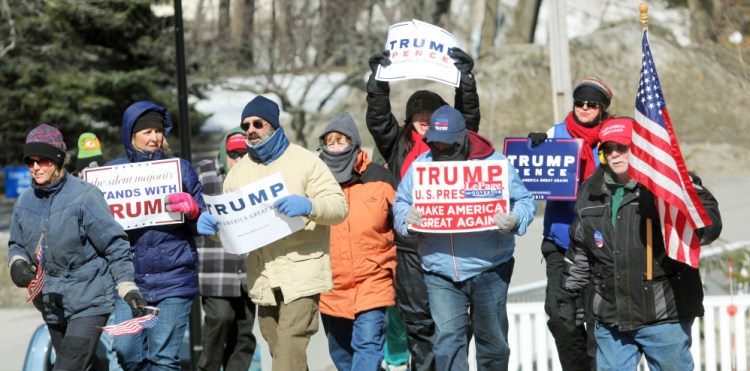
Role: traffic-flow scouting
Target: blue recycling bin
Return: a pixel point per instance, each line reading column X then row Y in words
column 17, row 179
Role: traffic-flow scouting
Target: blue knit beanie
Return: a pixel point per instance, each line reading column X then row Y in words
column 264, row 108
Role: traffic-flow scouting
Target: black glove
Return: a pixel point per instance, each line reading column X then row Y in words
column 537, row 138
column 570, row 316
column 379, row 59
column 137, row 303
column 464, row 62
column 21, row 273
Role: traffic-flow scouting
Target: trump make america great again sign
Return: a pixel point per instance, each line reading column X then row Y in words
column 460, row 196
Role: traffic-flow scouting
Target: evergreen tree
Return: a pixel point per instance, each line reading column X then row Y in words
column 77, row 64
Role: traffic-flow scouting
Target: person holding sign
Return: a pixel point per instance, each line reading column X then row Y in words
column 165, row 256
column 363, row 256
column 470, row 269
column 636, row 314
column 286, row 277
column 69, row 251
column 575, row 347
column 227, row 333
column 400, row 145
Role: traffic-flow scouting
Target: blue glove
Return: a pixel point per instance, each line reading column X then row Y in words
column 294, row 205
column 207, row 224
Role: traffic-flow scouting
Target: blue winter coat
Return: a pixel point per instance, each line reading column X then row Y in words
column 87, row 252
column 165, row 257
column 559, row 214
column 460, row 256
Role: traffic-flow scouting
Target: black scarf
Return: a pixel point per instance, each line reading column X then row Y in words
column 341, row 163
column 459, row 151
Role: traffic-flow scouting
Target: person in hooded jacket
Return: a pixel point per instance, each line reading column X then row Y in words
column 66, row 247
column 400, row 146
column 469, row 270
column 165, row 257
column 635, row 315
column 363, row 256
column 576, row 347
column 227, row 338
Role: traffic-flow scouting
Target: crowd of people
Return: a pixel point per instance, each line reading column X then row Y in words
column 388, row 296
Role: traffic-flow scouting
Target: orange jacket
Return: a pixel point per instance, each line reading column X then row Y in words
column 363, row 256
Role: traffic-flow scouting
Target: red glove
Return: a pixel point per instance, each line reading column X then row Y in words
column 183, row 203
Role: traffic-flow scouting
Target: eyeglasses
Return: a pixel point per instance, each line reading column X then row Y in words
column 258, row 124
column 611, row 147
column 235, row 155
column 41, row 162
column 592, row 105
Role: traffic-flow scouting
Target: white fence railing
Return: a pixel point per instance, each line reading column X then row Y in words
column 720, row 341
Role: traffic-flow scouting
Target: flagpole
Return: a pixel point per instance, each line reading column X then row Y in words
column 643, row 8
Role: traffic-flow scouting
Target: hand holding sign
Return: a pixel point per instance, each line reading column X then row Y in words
column 182, row 202
column 413, row 216
column 207, row 224
column 294, row 205
column 379, row 59
column 505, row 222
column 464, row 62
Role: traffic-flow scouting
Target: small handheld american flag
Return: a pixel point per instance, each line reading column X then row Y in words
column 135, row 325
column 37, row 283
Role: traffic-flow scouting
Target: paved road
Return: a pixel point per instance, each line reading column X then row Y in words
column 17, row 325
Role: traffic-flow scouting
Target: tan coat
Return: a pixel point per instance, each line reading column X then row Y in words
column 298, row 264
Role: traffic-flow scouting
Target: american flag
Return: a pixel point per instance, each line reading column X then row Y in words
column 133, row 326
column 656, row 162
column 37, row 283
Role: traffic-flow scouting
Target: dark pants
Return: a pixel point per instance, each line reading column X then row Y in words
column 227, row 333
column 75, row 342
column 413, row 305
column 577, row 349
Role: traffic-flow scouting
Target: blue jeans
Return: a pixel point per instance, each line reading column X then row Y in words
column 486, row 295
column 157, row 348
column 356, row 345
column 666, row 347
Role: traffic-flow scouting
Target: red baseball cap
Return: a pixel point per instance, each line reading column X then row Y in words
column 236, row 142
column 618, row 130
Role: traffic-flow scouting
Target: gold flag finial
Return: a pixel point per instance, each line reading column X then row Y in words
column 644, row 14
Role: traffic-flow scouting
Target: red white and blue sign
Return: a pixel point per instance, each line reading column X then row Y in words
column 598, row 239
column 550, row 171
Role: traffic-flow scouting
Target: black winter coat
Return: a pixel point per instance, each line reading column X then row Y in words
column 386, row 131
column 615, row 258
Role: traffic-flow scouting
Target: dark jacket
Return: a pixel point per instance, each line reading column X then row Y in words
column 615, row 257
column 86, row 255
column 165, row 257
column 386, row 130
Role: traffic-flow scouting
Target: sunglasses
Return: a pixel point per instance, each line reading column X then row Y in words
column 258, row 124
column 611, row 147
column 580, row 104
column 42, row 163
column 235, row 155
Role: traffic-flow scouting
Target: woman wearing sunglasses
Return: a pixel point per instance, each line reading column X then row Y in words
column 68, row 250
column 591, row 98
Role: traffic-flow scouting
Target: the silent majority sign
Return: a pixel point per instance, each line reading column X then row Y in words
column 136, row 192
column 459, row 196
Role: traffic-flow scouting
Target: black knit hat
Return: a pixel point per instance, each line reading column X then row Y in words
column 593, row 89
column 422, row 100
column 45, row 141
column 149, row 120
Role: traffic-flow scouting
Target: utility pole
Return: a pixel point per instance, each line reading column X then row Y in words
column 559, row 55
column 186, row 153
